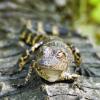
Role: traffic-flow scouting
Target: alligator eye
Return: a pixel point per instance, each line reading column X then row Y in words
column 60, row 54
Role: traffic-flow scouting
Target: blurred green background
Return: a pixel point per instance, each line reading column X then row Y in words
column 81, row 15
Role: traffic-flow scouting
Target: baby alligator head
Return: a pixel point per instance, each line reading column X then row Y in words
column 54, row 55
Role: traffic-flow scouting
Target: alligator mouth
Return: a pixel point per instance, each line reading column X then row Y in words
column 59, row 67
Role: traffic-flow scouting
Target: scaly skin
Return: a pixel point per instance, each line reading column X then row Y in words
column 52, row 57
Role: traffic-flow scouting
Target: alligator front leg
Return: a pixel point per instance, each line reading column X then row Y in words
column 75, row 78
column 69, row 76
column 26, row 56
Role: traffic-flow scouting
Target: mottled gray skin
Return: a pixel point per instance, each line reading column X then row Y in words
column 52, row 59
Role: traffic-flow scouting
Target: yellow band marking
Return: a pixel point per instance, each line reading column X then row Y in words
column 29, row 24
column 29, row 38
column 23, row 35
column 35, row 38
column 55, row 30
column 40, row 27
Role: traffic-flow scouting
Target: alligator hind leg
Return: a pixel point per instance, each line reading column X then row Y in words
column 76, row 54
column 27, row 78
column 23, row 59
